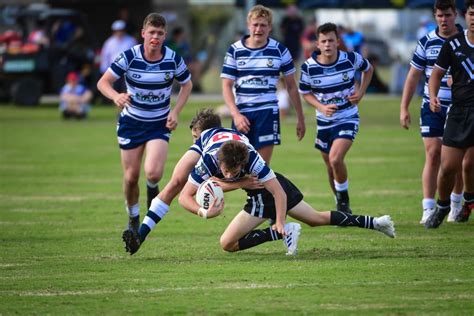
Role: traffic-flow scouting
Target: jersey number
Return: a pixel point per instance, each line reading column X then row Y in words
column 225, row 136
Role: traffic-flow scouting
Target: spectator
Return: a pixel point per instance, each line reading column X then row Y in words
column 292, row 27
column 74, row 98
column 426, row 26
column 180, row 45
column 308, row 40
column 119, row 41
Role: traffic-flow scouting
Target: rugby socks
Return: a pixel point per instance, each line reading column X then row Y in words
column 346, row 220
column 468, row 198
column 456, row 201
column 428, row 203
column 342, row 196
column 133, row 211
column 152, row 191
column 257, row 237
column 443, row 207
column 156, row 212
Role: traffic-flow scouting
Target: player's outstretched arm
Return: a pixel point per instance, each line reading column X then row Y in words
column 179, row 177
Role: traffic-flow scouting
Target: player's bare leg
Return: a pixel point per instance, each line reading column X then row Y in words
column 337, row 154
column 266, row 153
column 156, row 154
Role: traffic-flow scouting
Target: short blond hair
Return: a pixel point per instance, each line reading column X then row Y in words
column 260, row 11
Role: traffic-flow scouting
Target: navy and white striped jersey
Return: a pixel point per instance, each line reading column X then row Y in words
column 149, row 82
column 424, row 58
column 256, row 73
column 333, row 84
column 208, row 165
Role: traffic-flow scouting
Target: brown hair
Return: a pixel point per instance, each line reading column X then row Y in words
column 259, row 11
column 233, row 154
column 327, row 28
column 444, row 5
column 205, row 119
column 154, row 19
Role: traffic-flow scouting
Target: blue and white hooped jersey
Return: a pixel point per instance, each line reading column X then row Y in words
column 256, row 73
column 149, row 83
column 424, row 58
column 333, row 84
column 208, row 165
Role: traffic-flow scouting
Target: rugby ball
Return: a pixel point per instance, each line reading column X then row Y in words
column 208, row 192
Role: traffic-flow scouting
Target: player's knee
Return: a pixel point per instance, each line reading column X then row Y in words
column 336, row 162
column 154, row 176
column 228, row 245
column 433, row 156
column 131, row 177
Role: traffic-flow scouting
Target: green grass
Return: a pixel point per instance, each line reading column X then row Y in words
column 62, row 214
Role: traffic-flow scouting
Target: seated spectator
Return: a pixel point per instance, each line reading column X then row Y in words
column 75, row 98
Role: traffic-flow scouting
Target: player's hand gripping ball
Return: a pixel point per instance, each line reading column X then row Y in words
column 208, row 192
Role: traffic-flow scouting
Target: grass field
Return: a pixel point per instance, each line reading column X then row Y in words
column 62, row 214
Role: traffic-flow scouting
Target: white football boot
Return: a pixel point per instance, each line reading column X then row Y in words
column 427, row 212
column 293, row 231
column 385, row 225
column 456, row 208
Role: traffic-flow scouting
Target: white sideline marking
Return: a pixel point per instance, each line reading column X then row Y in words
column 226, row 287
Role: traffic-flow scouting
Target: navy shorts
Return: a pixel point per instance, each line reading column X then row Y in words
column 264, row 127
column 132, row 133
column 432, row 123
column 326, row 137
column 260, row 203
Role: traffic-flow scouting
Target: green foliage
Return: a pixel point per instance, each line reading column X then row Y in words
column 62, row 214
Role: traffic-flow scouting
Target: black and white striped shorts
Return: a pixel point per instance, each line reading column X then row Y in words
column 260, row 203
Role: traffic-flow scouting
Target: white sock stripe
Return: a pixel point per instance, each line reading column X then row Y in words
column 151, row 184
column 149, row 222
column 133, row 210
column 159, row 207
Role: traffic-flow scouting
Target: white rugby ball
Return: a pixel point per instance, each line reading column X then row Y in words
column 208, row 192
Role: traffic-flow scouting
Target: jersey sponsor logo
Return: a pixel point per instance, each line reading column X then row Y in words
column 317, row 81
column 123, row 141
column 150, row 97
column 258, row 166
column 152, row 67
column 321, row 144
column 136, row 76
column 241, row 63
column 345, row 76
column 270, row 63
column 434, row 52
column 459, row 54
column 328, row 71
column 256, row 82
column 346, row 132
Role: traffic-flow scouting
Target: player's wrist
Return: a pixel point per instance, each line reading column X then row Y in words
column 202, row 212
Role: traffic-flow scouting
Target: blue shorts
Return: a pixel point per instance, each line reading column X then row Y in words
column 132, row 133
column 326, row 137
column 432, row 123
column 264, row 127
